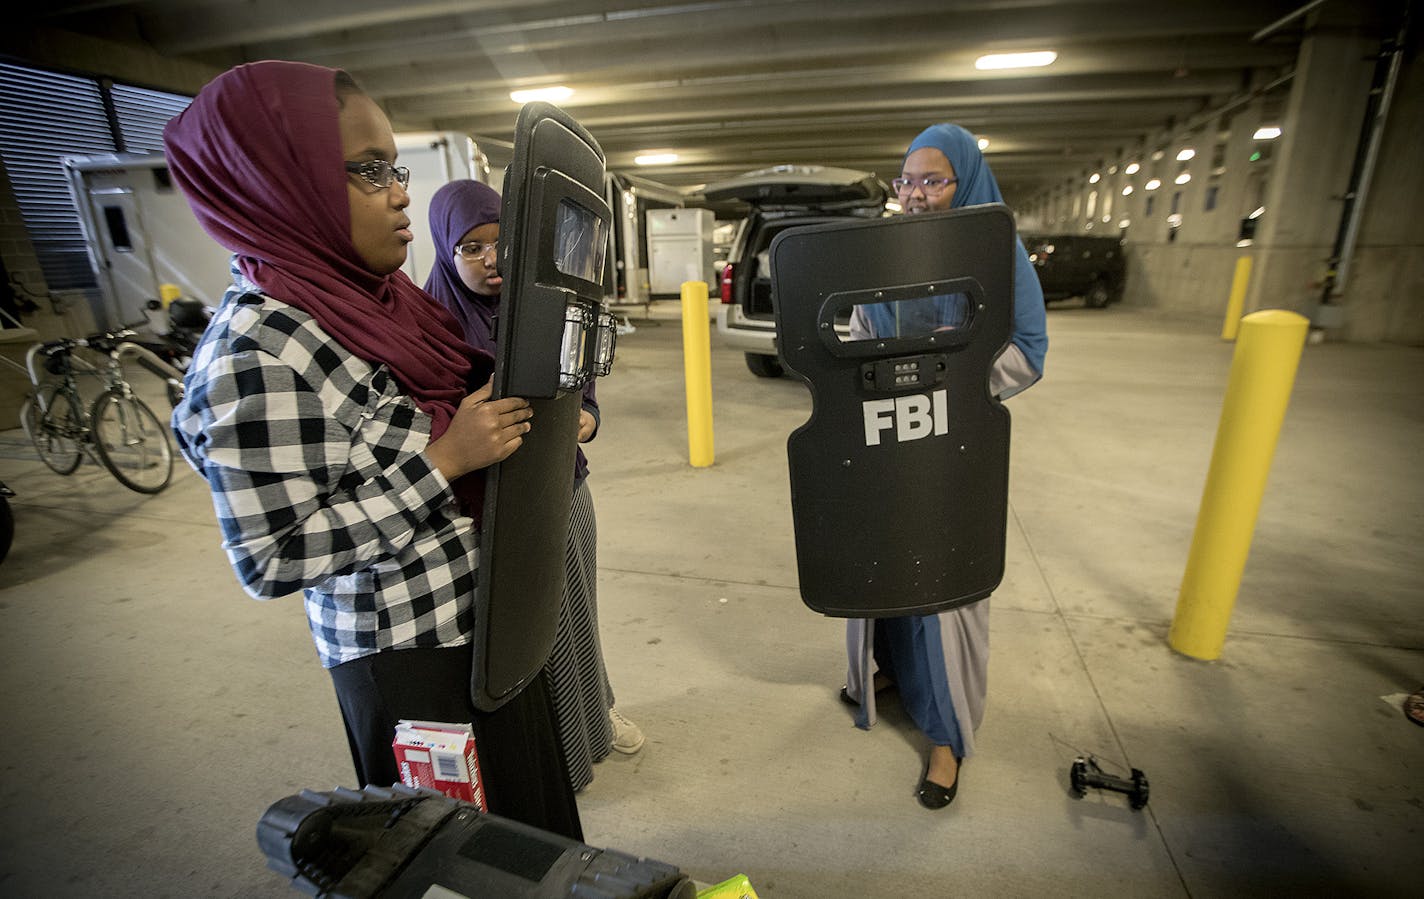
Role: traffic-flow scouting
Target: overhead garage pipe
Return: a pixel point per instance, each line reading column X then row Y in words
column 1283, row 21
column 1382, row 88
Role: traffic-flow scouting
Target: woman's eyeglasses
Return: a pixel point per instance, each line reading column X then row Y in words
column 476, row 250
column 379, row 173
column 932, row 187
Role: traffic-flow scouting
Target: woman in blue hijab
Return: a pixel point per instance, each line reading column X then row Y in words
column 464, row 222
column 940, row 663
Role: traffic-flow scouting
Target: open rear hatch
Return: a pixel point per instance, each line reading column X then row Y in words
column 807, row 187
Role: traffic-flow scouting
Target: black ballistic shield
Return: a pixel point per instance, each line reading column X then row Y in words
column 899, row 480
column 553, row 237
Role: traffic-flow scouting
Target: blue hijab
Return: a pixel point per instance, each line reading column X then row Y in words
column 977, row 187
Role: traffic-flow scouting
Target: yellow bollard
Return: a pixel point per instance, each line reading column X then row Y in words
column 697, row 370
column 1239, row 281
column 1257, row 391
column 167, row 293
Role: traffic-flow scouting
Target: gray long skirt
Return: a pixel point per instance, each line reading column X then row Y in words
column 578, row 680
column 944, row 680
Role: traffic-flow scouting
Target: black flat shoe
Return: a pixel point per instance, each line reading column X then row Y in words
column 934, row 796
column 848, row 700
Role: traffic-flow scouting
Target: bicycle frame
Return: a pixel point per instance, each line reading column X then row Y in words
column 89, row 428
column 112, row 373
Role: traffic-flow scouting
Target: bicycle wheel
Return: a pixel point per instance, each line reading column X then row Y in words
column 54, row 435
column 132, row 443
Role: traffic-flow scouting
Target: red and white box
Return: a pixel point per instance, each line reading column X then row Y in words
column 441, row 757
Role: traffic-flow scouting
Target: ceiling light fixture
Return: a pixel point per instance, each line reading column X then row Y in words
column 1183, row 178
column 1185, row 153
column 1127, row 191
column 655, row 158
column 1094, row 178
column 983, row 143
column 1152, row 185
column 1266, row 132
column 1029, row 60
column 1132, row 168
column 548, row 94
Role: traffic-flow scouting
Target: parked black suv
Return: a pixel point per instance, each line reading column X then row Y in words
column 1077, row 265
column 779, row 198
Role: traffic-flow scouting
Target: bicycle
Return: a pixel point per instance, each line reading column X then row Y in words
column 117, row 429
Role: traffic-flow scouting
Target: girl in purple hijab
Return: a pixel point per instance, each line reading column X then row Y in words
column 343, row 424
column 464, row 222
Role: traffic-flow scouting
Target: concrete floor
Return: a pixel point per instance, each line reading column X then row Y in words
column 153, row 711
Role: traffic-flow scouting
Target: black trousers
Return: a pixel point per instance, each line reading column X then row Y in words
column 525, row 776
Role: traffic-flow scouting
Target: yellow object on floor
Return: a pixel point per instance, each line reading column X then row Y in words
column 735, row 888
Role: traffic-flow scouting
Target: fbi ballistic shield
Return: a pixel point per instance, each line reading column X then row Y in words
column 552, row 336
column 899, row 480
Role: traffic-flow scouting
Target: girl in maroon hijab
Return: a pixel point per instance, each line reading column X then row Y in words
column 343, row 423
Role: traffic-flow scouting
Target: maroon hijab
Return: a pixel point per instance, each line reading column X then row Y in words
column 258, row 155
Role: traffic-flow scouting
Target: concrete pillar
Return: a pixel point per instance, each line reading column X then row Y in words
column 1311, row 168
column 1383, row 295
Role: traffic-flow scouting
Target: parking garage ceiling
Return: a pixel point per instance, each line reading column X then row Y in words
column 732, row 85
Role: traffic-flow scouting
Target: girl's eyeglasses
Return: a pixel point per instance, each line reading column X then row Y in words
column 932, row 187
column 476, row 250
column 379, row 173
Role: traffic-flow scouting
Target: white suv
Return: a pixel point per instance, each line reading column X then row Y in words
column 779, row 198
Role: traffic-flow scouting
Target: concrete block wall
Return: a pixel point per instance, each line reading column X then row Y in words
column 72, row 318
column 1190, row 281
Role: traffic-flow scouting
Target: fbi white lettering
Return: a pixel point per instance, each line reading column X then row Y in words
column 913, row 417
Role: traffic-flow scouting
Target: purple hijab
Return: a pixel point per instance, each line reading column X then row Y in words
column 258, row 155
column 456, row 208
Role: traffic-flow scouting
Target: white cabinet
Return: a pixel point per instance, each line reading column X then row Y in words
column 680, row 248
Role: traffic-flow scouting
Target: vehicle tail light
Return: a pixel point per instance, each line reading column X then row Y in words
column 727, row 283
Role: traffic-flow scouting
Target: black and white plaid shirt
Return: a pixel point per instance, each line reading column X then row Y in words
column 320, row 483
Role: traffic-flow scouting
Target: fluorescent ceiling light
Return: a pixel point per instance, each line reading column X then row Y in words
column 1127, row 191
column 1183, row 178
column 1185, row 153
column 548, row 94
column 1132, row 168
column 1015, row 60
column 1258, row 213
column 1094, row 178
column 1266, row 132
column 983, row 143
column 655, row 159
column 1152, row 185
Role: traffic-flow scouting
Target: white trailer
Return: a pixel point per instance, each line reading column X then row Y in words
column 140, row 231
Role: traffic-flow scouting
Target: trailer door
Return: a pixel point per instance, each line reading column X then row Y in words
column 123, row 243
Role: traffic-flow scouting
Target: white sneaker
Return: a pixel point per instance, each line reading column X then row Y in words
column 627, row 738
